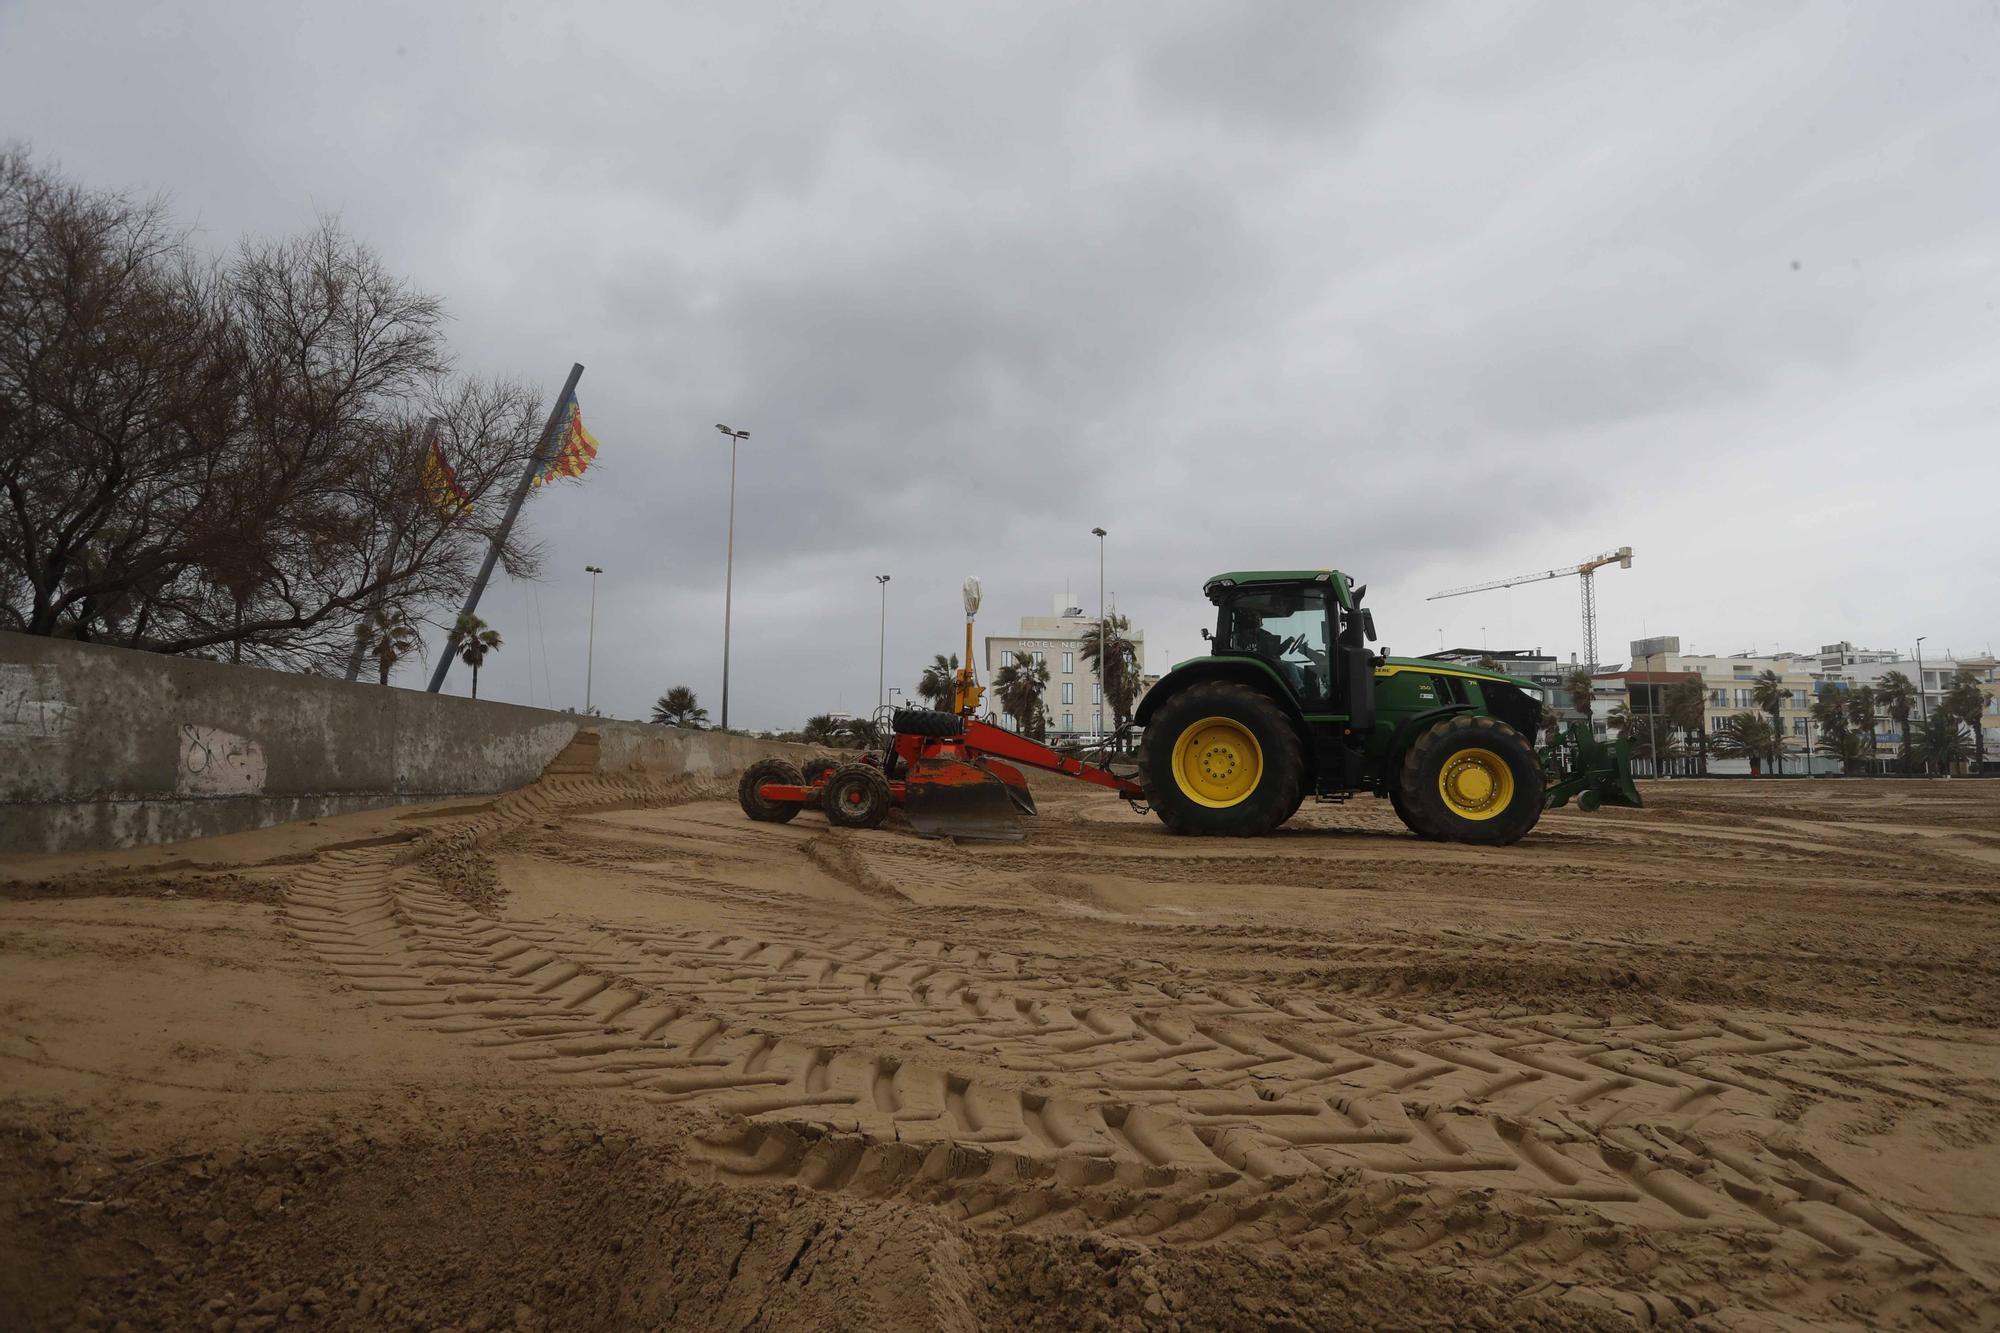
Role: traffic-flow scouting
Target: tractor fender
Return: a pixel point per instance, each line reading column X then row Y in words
column 1410, row 728
column 1251, row 671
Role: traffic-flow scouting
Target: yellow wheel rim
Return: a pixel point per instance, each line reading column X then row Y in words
column 1218, row 763
column 1476, row 784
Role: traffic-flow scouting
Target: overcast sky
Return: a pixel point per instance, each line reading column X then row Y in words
column 1431, row 293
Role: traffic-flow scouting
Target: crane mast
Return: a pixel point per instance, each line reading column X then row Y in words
column 1584, row 572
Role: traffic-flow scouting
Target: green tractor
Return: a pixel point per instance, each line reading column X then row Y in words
column 1291, row 703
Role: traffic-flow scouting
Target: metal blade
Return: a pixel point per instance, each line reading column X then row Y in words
column 1016, row 784
column 950, row 798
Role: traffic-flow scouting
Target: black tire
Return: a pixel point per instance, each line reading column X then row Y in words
column 755, row 806
column 816, row 769
column 1450, row 741
column 1279, row 781
column 1404, row 813
column 856, row 796
column 927, row 722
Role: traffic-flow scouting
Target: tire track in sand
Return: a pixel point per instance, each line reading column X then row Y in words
column 1039, row 1100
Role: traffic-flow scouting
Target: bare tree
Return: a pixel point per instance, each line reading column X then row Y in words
column 204, row 455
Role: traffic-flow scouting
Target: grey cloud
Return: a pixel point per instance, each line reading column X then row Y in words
column 1435, row 292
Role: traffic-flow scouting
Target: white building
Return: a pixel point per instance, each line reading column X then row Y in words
column 1074, row 701
column 1730, row 684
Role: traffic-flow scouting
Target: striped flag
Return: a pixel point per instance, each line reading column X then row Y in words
column 576, row 452
column 450, row 499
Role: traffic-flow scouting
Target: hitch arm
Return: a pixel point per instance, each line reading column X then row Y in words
column 1003, row 744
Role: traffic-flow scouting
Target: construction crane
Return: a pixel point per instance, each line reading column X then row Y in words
column 1622, row 557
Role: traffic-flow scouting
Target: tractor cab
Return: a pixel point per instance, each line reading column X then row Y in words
column 1309, row 628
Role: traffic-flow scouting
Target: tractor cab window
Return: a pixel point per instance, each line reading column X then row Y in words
column 1287, row 627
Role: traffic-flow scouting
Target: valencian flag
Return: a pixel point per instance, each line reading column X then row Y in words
column 450, row 499
column 575, row 453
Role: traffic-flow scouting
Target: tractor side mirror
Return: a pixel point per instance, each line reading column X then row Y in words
column 1206, row 637
column 1368, row 625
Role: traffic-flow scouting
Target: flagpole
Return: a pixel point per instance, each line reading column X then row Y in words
column 527, row 482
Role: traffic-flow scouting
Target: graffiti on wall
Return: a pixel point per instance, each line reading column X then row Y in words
column 31, row 703
column 218, row 763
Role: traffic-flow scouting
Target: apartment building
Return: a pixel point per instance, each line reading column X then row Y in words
column 1729, row 684
column 1074, row 701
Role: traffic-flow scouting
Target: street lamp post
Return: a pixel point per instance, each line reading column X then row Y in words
column 1778, row 741
column 1923, row 709
column 882, row 645
column 1103, row 648
column 590, row 643
column 729, row 564
column 1809, row 771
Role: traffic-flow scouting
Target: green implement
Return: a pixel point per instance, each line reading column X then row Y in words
column 1595, row 772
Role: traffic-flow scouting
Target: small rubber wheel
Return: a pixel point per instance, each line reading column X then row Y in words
column 1404, row 813
column 754, row 777
column 927, row 722
column 1473, row 779
column 816, row 769
column 856, row 796
column 1223, row 760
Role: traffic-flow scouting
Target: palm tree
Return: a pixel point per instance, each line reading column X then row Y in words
column 1641, row 728
column 1861, row 713
column 1898, row 697
column 862, row 733
column 939, row 683
column 1488, row 663
column 821, row 729
column 1744, row 736
column 1845, row 746
column 1965, row 701
column 1829, row 709
column 475, row 641
column 1019, row 685
column 679, row 708
column 1941, row 741
column 1770, row 694
column 1687, row 708
column 1580, row 688
column 1120, row 669
column 388, row 636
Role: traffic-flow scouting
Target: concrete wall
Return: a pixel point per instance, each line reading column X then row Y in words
column 105, row 747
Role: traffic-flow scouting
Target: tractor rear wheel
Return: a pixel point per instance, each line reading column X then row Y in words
column 1472, row 779
column 856, row 796
column 1223, row 760
column 1404, row 813
column 754, row 805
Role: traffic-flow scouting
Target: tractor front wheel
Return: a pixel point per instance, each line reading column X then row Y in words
column 1472, row 779
column 1223, row 760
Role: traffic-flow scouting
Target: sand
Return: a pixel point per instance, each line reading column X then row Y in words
column 604, row 1053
